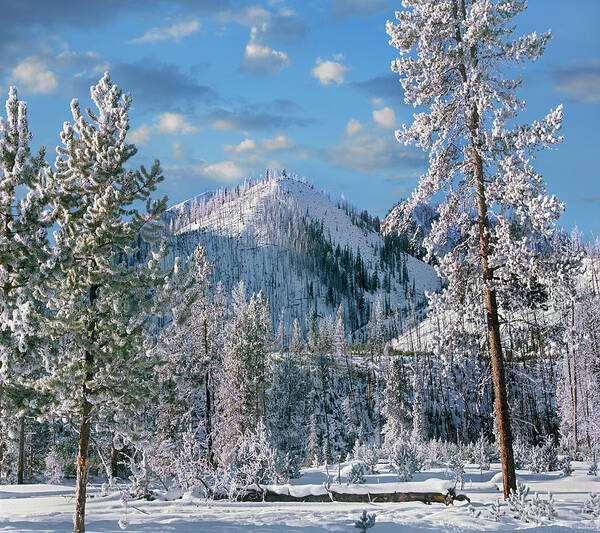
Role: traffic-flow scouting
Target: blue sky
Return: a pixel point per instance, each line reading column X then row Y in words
column 223, row 89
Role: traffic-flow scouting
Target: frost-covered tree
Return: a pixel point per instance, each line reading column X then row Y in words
column 188, row 351
column 102, row 301
column 241, row 390
column 288, row 406
column 495, row 209
column 24, row 219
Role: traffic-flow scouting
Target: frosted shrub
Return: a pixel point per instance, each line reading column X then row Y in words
column 540, row 510
column 357, row 473
column 140, row 473
column 593, row 470
column 369, row 454
column 456, row 467
column 592, row 505
column 366, row 521
column 53, row 470
column 435, row 453
column 496, row 512
column 521, row 453
column 544, row 458
column 534, row 510
column 406, row 461
column 518, row 503
column 564, row 464
column 189, row 464
column 256, row 459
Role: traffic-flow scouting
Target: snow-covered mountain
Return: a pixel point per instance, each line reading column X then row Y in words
column 283, row 237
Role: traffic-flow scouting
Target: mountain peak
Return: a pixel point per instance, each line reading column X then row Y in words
column 282, row 236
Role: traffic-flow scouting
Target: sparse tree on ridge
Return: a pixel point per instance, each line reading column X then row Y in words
column 495, row 207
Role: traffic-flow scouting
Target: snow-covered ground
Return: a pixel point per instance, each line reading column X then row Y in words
column 49, row 508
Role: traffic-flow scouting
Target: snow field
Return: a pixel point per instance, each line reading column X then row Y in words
column 48, row 508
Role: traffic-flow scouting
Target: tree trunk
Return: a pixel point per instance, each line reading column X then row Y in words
column 575, row 435
column 208, row 421
column 114, row 461
column 84, row 431
column 21, row 458
column 208, row 406
column 509, row 478
column 267, row 495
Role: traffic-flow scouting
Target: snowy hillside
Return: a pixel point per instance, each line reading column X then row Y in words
column 292, row 242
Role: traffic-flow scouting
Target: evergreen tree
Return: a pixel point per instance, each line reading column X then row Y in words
column 24, row 251
column 495, row 208
column 102, row 301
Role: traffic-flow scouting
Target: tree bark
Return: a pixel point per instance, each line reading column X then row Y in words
column 509, row 478
column 84, row 431
column 575, row 433
column 21, row 457
column 268, row 495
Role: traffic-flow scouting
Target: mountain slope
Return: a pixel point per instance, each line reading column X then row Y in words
column 283, row 237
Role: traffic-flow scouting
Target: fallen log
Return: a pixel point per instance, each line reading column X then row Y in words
column 268, row 495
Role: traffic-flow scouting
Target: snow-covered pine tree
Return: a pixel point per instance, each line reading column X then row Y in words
column 24, row 220
column 397, row 404
column 241, row 389
column 102, row 301
column 187, row 350
column 288, row 406
column 495, row 207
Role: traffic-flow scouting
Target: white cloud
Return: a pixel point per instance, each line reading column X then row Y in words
column 370, row 153
column 377, row 102
column 246, row 145
column 385, row 117
column 329, row 71
column 353, row 127
column 226, row 171
column 260, row 58
column 248, row 16
column 165, row 123
column 580, row 81
column 32, row 73
column 279, row 142
column 140, row 135
column 338, row 57
column 223, row 124
column 173, row 124
column 174, row 32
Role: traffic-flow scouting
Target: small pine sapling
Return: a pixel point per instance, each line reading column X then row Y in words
column 496, row 512
column 456, row 467
column 592, row 505
column 357, row 473
column 593, row 470
column 366, row 521
column 482, row 457
column 540, row 510
column 518, row 503
column 406, row 461
column 53, row 471
column 565, row 465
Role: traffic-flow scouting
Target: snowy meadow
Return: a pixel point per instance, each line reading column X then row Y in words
column 48, row 508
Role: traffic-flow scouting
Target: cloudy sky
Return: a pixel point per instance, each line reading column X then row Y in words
column 223, row 89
